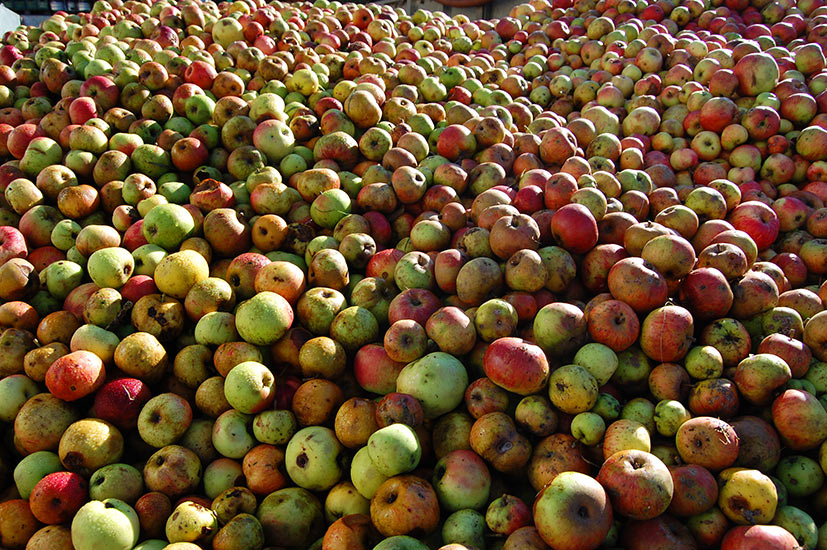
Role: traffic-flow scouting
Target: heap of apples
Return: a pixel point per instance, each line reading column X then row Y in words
column 333, row 276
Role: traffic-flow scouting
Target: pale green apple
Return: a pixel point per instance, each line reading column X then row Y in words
column 394, row 449
column 111, row 524
column 110, row 267
column 313, row 458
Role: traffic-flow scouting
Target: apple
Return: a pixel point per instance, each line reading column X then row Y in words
column 58, row 497
column 109, row 522
column 573, row 512
column 409, row 492
column 516, row 365
column 12, row 244
column 425, row 379
column 631, row 475
column 249, row 387
column 163, row 419
column 292, row 516
column 758, row 537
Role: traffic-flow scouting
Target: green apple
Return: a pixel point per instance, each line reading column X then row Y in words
column 231, row 434
column 242, row 532
column 164, row 419
column 216, row 328
column 95, row 339
column 274, row 138
column 191, row 522
column 588, row 428
column 120, row 481
column 401, row 542
column 354, row 327
column 365, row 476
column 40, row 153
column 291, row 518
column 330, row 207
column 111, row 524
column 97, row 67
column 250, row 387
column 110, row 267
column 167, row 225
column 274, row 427
column 668, row 417
column 437, row 380
column 64, row 234
column 394, row 449
column 151, row 160
column 199, row 109
column 61, row 277
column 180, row 124
column 600, row 360
column 267, row 106
column 313, row 458
column 174, row 191
column 33, row 468
column 227, row 30
column 147, row 257
column 263, row 319
column 465, row 527
column 15, row 390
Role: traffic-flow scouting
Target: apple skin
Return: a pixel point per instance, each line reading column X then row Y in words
column 574, row 228
column 426, row 380
column 456, row 142
column 759, row 537
column 415, row 496
column 274, row 138
column 291, row 517
column 559, row 328
column 12, row 244
column 696, row 490
column 375, row 371
column 573, row 512
column 394, row 449
column 461, row 480
column 516, row 365
column 759, row 375
column 638, row 483
column 110, row 523
column 799, row 420
column 698, row 289
column 667, row 334
column 164, row 419
column 264, row 318
column 452, row 330
column 695, row 447
column 75, row 375
column 637, row 282
column 312, row 458
column 167, row 226
column 173, row 470
column 758, row 220
column 250, row 387
column 58, row 496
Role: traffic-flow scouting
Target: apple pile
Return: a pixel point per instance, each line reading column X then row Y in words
column 334, row 276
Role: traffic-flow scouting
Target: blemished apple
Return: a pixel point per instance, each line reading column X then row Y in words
column 264, row 318
column 312, row 458
column 164, row 419
column 573, row 512
column 250, row 387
